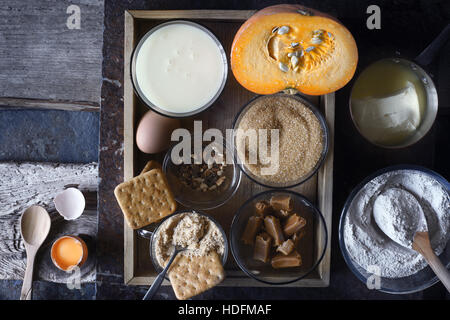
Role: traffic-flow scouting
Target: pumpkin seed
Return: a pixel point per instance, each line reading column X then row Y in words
column 316, row 40
column 294, row 44
column 275, row 29
column 299, row 53
column 310, row 49
column 304, row 12
column 283, row 30
column 296, row 68
column 283, row 67
column 294, row 61
column 290, row 54
column 318, row 32
column 329, row 34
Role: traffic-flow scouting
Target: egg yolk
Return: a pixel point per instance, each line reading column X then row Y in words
column 67, row 252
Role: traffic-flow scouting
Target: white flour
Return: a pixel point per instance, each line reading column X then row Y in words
column 368, row 245
column 399, row 215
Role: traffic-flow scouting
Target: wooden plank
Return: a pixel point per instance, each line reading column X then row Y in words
column 41, row 58
column 40, row 104
column 26, row 184
column 138, row 267
column 230, row 15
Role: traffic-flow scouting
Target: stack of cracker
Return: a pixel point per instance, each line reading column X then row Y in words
column 146, row 198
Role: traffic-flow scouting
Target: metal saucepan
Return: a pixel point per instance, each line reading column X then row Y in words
column 422, row 60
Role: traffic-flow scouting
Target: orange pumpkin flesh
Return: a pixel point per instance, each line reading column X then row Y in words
column 317, row 55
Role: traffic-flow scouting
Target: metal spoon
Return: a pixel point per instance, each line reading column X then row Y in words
column 159, row 279
column 400, row 216
column 34, row 227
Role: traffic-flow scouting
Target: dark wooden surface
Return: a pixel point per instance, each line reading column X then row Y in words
column 41, row 58
column 407, row 28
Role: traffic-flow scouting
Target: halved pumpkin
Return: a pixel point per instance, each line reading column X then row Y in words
column 291, row 46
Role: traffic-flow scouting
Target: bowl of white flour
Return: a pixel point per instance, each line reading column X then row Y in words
column 373, row 256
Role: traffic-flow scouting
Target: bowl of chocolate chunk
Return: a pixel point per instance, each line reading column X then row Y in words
column 280, row 140
column 202, row 178
column 278, row 237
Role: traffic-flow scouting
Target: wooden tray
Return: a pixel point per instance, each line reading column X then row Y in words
column 138, row 269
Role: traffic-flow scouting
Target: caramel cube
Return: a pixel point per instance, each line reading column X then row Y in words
column 251, row 229
column 263, row 208
column 297, row 237
column 282, row 213
column 261, row 251
column 294, row 259
column 286, row 247
column 282, row 202
column 273, row 228
column 293, row 224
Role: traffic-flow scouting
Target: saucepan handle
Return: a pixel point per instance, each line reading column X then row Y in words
column 430, row 52
column 145, row 233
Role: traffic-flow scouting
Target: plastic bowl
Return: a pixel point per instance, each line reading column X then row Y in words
column 419, row 281
column 197, row 199
column 293, row 183
column 312, row 246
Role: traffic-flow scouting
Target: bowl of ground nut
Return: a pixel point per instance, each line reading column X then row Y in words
column 280, row 140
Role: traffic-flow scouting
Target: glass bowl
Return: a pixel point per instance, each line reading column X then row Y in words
column 197, row 199
column 147, row 101
column 151, row 235
column 293, row 183
column 312, row 245
column 419, row 281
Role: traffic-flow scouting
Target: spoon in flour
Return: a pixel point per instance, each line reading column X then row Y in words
column 400, row 216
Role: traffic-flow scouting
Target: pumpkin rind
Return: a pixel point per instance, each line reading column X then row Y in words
column 260, row 54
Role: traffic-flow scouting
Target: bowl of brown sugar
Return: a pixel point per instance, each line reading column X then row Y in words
column 280, row 140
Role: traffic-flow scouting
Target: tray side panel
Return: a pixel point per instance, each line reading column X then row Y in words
column 128, row 101
column 325, row 185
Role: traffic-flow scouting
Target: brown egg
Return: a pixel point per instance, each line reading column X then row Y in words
column 154, row 131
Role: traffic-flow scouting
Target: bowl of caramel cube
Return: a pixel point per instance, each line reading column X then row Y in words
column 278, row 237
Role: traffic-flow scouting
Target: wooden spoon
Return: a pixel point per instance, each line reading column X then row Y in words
column 421, row 244
column 400, row 216
column 34, row 227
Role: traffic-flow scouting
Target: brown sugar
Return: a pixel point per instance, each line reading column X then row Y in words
column 300, row 137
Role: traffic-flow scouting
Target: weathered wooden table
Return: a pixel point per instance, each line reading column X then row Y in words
column 50, row 83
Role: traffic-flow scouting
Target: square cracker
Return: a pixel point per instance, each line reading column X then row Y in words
column 152, row 164
column 192, row 275
column 145, row 199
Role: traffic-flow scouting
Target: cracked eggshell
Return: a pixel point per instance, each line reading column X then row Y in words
column 70, row 203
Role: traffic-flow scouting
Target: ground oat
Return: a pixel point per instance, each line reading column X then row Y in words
column 190, row 230
column 300, row 137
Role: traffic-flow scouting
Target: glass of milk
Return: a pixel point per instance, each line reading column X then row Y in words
column 179, row 68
